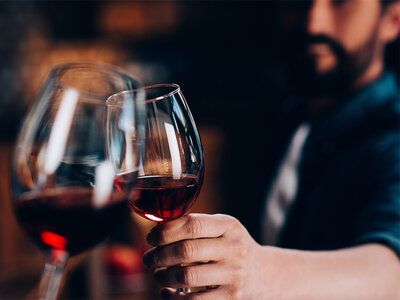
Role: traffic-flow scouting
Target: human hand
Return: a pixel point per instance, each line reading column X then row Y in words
column 200, row 250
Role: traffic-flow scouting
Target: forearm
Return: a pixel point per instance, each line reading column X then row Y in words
column 365, row 272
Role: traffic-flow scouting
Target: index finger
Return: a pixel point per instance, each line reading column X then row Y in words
column 191, row 226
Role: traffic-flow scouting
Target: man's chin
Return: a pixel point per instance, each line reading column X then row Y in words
column 322, row 72
column 325, row 65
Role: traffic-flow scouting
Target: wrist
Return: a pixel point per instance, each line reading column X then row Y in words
column 272, row 267
column 282, row 271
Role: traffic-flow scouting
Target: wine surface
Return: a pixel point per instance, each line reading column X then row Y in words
column 162, row 198
column 67, row 218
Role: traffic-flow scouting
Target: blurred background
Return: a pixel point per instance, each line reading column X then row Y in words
column 226, row 56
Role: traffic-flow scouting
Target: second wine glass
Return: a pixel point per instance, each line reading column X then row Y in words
column 63, row 181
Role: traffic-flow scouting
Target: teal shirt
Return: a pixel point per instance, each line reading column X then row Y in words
column 349, row 184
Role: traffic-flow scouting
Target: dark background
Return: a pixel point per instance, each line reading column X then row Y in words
column 226, row 56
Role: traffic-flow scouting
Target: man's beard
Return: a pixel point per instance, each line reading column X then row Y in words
column 337, row 82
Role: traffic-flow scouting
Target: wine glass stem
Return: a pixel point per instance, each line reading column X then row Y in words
column 52, row 274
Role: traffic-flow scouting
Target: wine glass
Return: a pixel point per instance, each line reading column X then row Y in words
column 171, row 165
column 63, row 180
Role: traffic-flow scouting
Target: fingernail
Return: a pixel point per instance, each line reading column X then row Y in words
column 151, row 238
column 157, row 275
column 165, row 295
column 147, row 258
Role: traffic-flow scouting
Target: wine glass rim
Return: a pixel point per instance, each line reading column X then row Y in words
column 58, row 68
column 176, row 89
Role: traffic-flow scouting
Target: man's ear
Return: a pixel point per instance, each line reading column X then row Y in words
column 390, row 25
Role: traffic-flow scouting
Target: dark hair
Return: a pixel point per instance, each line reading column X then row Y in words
column 387, row 2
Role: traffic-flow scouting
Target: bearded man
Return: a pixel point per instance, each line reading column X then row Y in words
column 330, row 218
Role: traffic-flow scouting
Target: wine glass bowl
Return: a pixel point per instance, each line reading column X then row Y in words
column 63, row 180
column 171, row 165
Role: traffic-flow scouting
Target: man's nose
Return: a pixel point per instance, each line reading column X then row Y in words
column 320, row 18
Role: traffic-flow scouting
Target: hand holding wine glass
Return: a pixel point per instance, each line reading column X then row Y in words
column 220, row 258
column 64, row 196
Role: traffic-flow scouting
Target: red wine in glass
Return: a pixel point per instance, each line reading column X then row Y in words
column 160, row 198
column 66, row 218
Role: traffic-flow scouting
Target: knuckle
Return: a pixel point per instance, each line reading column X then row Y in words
column 236, row 292
column 187, row 276
column 232, row 223
column 226, row 218
column 236, row 225
column 163, row 237
column 242, row 250
column 194, row 226
column 238, row 275
column 157, row 258
column 187, row 250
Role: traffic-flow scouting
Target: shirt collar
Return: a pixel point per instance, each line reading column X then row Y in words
column 359, row 107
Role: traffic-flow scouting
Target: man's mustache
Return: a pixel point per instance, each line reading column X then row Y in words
column 334, row 46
